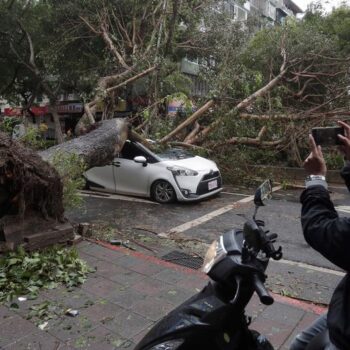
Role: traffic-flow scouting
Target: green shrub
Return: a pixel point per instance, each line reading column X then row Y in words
column 71, row 168
column 33, row 138
column 8, row 124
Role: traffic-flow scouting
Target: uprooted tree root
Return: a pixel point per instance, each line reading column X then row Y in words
column 27, row 185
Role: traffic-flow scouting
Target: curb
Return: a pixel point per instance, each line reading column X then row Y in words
column 297, row 303
column 150, row 258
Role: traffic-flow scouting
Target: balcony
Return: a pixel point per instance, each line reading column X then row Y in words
column 267, row 8
column 189, row 67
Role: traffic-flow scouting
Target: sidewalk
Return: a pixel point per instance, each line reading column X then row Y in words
column 127, row 294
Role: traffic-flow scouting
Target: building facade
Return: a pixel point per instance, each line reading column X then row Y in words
column 274, row 12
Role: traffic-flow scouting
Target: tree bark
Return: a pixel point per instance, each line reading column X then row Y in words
column 96, row 148
column 58, row 129
column 188, row 121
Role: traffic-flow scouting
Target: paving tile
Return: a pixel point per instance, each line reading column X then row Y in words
column 151, row 286
column 170, row 276
column 146, row 268
column 101, row 286
column 127, row 277
column 36, row 341
column 24, row 307
column 89, row 259
column 102, row 253
column 126, row 298
column 5, row 314
column 128, row 324
column 101, row 338
column 254, row 308
column 129, row 261
column 174, row 295
column 283, row 314
column 108, row 270
column 14, row 328
column 76, row 298
column 192, row 283
column 153, row 308
column 102, row 310
column 138, row 337
column 274, row 331
column 68, row 328
column 303, row 324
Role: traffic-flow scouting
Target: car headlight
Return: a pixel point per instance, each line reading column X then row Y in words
column 181, row 171
column 168, row 345
column 215, row 253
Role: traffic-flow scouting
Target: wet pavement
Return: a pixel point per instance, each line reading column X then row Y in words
column 146, row 221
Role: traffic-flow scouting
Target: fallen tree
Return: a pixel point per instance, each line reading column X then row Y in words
column 96, row 148
column 31, row 208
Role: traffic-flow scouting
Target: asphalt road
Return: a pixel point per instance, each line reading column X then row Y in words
column 303, row 273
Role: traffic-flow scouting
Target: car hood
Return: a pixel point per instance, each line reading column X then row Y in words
column 194, row 163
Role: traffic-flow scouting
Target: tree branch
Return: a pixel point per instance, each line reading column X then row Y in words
column 90, row 26
column 188, row 121
column 251, row 141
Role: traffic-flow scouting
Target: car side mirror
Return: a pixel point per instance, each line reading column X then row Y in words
column 263, row 193
column 141, row 159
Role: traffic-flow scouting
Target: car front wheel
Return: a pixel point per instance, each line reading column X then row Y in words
column 163, row 192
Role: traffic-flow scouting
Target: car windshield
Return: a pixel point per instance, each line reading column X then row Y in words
column 174, row 153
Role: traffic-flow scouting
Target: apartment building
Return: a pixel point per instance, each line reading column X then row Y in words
column 274, row 12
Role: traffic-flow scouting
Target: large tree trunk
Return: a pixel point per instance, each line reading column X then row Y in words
column 56, row 118
column 31, row 191
column 96, row 148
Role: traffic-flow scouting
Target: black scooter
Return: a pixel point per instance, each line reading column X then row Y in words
column 215, row 319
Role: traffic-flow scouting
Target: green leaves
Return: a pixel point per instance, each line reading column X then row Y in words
column 26, row 274
column 71, row 168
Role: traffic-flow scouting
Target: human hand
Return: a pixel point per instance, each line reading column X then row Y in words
column 315, row 164
column 345, row 147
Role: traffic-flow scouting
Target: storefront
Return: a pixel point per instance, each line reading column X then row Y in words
column 69, row 112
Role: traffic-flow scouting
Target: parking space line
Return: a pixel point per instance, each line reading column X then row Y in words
column 236, row 194
column 190, row 224
column 105, row 195
column 309, row 267
column 343, row 208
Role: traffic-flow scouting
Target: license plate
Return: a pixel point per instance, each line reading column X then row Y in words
column 212, row 184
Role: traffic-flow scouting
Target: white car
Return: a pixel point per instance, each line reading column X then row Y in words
column 165, row 177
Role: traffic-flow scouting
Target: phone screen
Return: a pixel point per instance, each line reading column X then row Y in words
column 327, row 136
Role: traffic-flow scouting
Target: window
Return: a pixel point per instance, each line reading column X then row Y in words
column 240, row 14
column 131, row 150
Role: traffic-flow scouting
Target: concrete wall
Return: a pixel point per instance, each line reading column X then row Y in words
column 292, row 175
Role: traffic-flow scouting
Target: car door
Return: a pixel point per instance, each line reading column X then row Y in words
column 131, row 177
column 102, row 178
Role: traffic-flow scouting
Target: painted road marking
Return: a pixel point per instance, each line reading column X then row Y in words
column 190, row 224
column 236, row 194
column 343, row 208
column 309, row 267
column 105, row 195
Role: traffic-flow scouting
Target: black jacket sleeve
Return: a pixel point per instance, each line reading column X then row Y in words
column 345, row 174
column 322, row 227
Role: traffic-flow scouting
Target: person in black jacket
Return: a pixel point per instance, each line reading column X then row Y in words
column 329, row 234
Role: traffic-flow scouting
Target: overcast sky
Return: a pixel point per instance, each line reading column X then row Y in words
column 328, row 4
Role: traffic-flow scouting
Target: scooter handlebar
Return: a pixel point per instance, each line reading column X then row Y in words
column 260, row 289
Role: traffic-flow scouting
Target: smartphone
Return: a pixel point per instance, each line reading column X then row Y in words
column 327, row 136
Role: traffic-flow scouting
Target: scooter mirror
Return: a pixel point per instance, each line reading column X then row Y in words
column 263, row 193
